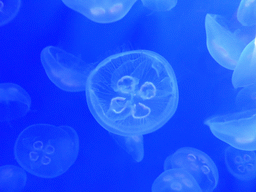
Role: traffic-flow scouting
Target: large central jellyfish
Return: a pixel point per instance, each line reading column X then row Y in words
column 132, row 93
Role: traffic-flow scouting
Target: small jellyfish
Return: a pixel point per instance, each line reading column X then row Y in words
column 175, row 180
column 133, row 145
column 225, row 47
column 67, row 72
column 244, row 73
column 246, row 13
column 12, row 178
column 237, row 129
column 159, row 5
column 45, row 150
column 241, row 164
column 246, row 98
column 198, row 164
column 8, row 10
column 132, row 93
column 101, row 11
column 14, row 102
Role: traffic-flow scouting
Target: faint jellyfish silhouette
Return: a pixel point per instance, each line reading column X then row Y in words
column 159, row 5
column 133, row 145
column 132, row 93
column 67, row 72
column 237, row 129
column 45, row 150
column 101, row 11
column 246, row 13
column 8, row 10
column 12, row 178
column 246, row 98
column 175, row 180
column 244, row 73
column 241, row 164
column 198, row 164
column 14, row 102
column 225, row 47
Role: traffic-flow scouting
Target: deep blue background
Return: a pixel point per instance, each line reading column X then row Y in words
column 205, row 89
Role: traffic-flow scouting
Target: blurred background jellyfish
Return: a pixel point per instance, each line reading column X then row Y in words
column 159, row 5
column 246, row 98
column 67, row 72
column 14, row 102
column 198, row 164
column 175, row 180
column 12, row 178
column 246, row 13
column 244, row 73
column 101, row 11
column 223, row 45
column 237, row 129
column 45, row 150
column 241, row 164
column 8, row 10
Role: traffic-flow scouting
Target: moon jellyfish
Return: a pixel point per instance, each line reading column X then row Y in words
column 101, row 11
column 14, row 102
column 12, row 178
column 175, row 180
column 159, row 5
column 132, row 93
column 198, row 164
column 244, row 73
column 45, row 150
column 67, row 72
column 246, row 13
column 8, row 10
column 225, row 47
column 133, row 145
column 237, row 129
column 246, row 98
column 241, row 164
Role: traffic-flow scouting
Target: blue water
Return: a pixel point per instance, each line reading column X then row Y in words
column 205, row 89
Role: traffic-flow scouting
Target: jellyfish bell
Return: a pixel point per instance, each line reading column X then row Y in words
column 236, row 129
column 159, row 5
column 246, row 12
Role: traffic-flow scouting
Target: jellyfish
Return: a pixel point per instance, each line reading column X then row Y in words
column 14, row 102
column 45, row 150
column 101, row 11
column 132, row 93
column 67, row 72
column 236, row 129
column 12, row 178
column 198, row 164
column 241, row 164
column 246, row 13
column 246, row 98
column 133, row 145
column 159, row 5
column 175, row 180
column 223, row 45
column 8, row 10
column 244, row 73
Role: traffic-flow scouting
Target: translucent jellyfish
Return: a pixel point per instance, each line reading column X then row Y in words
column 246, row 13
column 244, row 73
column 8, row 10
column 12, row 178
column 198, row 164
column 223, row 45
column 241, row 164
column 237, row 129
column 159, row 5
column 175, row 180
column 133, row 145
column 14, row 102
column 45, row 150
column 132, row 93
column 246, row 98
column 101, row 11
column 67, row 72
